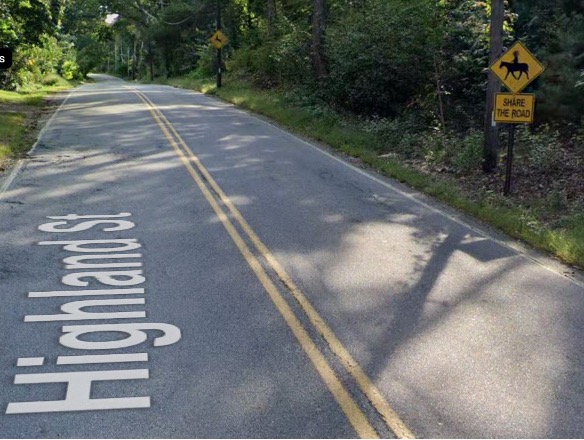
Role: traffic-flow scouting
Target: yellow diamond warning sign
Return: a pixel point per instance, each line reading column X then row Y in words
column 219, row 39
column 514, row 108
column 517, row 68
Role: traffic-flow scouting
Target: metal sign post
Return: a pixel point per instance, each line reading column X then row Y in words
column 219, row 60
column 509, row 164
column 218, row 40
column 219, row 72
column 516, row 69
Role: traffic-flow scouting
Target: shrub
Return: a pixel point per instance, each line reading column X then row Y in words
column 542, row 149
column 381, row 56
column 207, row 63
column 399, row 135
column 277, row 62
column 469, row 156
column 70, row 70
column 50, row 80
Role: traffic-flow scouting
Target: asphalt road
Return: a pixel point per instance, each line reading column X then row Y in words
column 173, row 267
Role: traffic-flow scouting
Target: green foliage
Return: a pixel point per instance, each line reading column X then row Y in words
column 562, row 99
column 276, row 62
column 357, row 138
column 404, row 80
column 8, row 26
column 25, row 22
column 91, row 54
column 381, row 55
column 404, row 138
column 11, row 134
column 557, row 201
column 70, row 70
column 13, row 126
column 439, row 147
column 50, row 80
column 459, row 64
column 31, row 29
column 542, row 149
column 396, row 135
column 206, row 64
column 32, row 63
column 469, row 157
column 385, row 57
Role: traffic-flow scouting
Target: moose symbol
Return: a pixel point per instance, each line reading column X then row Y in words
column 515, row 66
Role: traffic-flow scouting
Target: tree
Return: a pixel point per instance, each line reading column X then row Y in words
column 491, row 142
column 31, row 29
column 381, row 56
column 271, row 15
column 319, row 18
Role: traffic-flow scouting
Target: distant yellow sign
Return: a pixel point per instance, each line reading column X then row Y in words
column 517, row 68
column 514, row 108
column 219, row 39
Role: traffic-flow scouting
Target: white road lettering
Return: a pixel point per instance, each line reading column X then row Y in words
column 135, row 332
column 79, row 217
column 122, row 225
column 30, row 362
column 96, row 254
column 133, row 277
column 78, row 392
column 102, row 358
column 74, row 263
column 73, row 311
column 128, row 244
column 90, row 292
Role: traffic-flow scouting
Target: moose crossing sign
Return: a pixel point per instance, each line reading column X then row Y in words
column 517, row 68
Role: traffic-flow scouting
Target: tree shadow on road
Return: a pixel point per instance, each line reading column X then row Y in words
column 463, row 336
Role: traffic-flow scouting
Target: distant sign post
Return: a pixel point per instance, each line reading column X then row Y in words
column 516, row 69
column 218, row 40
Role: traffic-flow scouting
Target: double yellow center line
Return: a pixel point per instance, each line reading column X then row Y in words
column 349, row 406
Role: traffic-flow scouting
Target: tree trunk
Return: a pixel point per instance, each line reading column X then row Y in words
column 139, row 59
column 271, row 19
column 319, row 14
column 150, row 55
column 134, row 60
column 438, row 77
column 491, row 145
column 116, row 56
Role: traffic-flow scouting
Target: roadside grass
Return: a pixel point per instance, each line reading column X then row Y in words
column 17, row 109
column 35, row 94
column 19, row 98
column 12, row 134
column 342, row 133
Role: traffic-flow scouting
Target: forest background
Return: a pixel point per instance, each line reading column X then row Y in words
column 400, row 84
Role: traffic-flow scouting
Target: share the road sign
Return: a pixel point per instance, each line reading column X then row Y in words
column 219, row 39
column 517, row 67
column 514, row 108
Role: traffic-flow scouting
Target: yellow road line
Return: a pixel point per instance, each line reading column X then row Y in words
column 391, row 418
column 354, row 414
